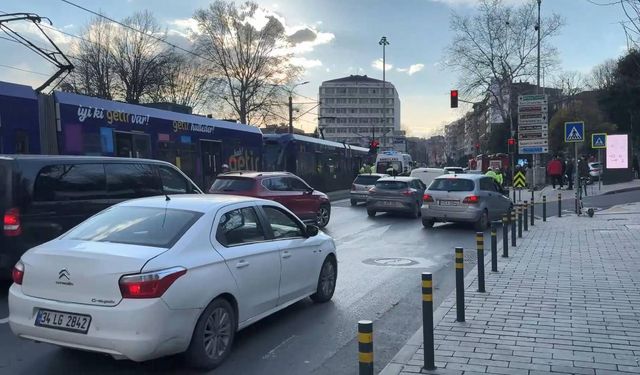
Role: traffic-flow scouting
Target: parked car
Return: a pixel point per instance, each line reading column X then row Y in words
column 427, row 175
column 286, row 188
column 43, row 196
column 595, row 171
column 361, row 185
column 464, row 198
column 150, row 277
column 396, row 194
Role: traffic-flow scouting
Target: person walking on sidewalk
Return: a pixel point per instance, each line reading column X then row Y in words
column 569, row 172
column 583, row 173
column 554, row 170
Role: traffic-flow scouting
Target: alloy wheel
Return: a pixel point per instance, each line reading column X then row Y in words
column 217, row 333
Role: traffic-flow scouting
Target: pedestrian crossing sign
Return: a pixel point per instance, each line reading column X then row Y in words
column 599, row 140
column 574, row 131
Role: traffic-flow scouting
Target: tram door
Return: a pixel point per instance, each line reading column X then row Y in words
column 211, row 152
column 132, row 145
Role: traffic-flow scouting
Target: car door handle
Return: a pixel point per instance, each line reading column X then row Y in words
column 286, row 254
column 241, row 264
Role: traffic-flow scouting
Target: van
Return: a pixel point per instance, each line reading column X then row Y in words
column 427, row 175
column 43, row 196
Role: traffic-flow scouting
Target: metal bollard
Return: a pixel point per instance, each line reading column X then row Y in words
column 559, row 204
column 505, row 236
column 427, row 321
column 513, row 228
column 494, row 246
column 525, row 216
column 519, row 221
column 544, row 208
column 533, row 208
column 459, row 284
column 480, row 255
column 365, row 347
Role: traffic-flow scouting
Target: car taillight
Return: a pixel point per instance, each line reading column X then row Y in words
column 17, row 273
column 408, row 192
column 149, row 284
column 427, row 198
column 472, row 199
column 11, row 222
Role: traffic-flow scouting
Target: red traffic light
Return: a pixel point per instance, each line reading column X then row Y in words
column 454, row 98
column 511, row 141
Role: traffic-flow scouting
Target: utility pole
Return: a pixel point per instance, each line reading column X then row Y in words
column 535, row 158
column 383, row 42
column 290, row 114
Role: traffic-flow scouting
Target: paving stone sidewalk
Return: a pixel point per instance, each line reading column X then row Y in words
column 566, row 301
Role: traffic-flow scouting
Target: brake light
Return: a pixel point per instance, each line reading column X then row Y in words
column 427, row 198
column 408, row 192
column 17, row 273
column 11, row 221
column 149, row 284
column 472, row 199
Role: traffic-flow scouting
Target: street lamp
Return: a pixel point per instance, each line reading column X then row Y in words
column 383, row 42
column 291, row 104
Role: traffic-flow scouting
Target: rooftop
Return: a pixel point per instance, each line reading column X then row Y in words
column 356, row 79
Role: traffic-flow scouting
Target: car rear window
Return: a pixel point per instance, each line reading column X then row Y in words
column 451, row 184
column 69, row 182
column 144, row 226
column 391, row 185
column 366, row 180
column 232, row 184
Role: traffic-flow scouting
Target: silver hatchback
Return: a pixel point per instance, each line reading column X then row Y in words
column 361, row 185
column 396, row 194
column 464, row 198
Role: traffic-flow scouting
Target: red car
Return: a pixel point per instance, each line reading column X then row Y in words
column 308, row 204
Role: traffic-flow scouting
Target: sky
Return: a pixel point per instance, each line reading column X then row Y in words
column 344, row 40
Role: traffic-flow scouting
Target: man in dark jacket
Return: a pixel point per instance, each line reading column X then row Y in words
column 583, row 173
column 569, row 172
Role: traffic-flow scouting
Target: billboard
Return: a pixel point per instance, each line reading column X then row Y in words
column 617, row 151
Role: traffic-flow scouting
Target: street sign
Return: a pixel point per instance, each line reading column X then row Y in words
column 519, row 180
column 532, row 99
column 532, row 118
column 532, row 135
column 533, row 142
column 599, row 140
column 574, row 131
column 539, row 108
column 533, row 150
column 533, row 128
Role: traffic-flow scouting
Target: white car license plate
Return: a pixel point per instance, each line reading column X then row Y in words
column 63, row 321
column 448, row 203
column 390, row 203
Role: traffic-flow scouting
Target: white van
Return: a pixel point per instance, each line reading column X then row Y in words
column 400, row 162
column 427, row 175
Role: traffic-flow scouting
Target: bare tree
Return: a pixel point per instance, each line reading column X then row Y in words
column 94, row 72
column 140, row 58
column 250, row 59
column 603, row 76
column 498, row 46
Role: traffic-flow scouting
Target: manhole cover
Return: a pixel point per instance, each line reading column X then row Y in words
column 391, row 262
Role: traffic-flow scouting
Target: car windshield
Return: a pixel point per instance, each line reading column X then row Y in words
column 451, row 184
column 145, row 226
column 383, row 166
column 366, row 180
column 391, row 185
column 231, row 184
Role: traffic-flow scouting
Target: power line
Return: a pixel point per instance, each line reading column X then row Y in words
column 23, row 70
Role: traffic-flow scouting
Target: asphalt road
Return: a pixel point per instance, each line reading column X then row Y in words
column 306, row 338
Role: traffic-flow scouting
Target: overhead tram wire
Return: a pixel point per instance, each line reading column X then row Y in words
column 23, row 70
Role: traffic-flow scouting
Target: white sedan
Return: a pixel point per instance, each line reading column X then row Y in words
column 163, row 275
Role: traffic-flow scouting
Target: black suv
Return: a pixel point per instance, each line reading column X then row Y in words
column 43, row 196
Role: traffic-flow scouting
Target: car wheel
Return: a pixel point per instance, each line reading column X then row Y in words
column 213, row 336
column 483, row 222
column 371, row 213
column 326, row 281
column 354, row 202
column 427, row 223
column 324, row 214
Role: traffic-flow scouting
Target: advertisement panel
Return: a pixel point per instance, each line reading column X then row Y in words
column 617, row 151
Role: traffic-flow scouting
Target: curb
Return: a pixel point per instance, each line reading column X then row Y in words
column 397, row 363
column 625, row 190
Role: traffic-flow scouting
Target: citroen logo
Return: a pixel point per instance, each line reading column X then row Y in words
column 64, row 274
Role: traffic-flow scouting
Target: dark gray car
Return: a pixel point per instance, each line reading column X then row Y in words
column 396, row 194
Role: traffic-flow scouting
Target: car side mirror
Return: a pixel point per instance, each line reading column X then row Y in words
column 312, row 230
column 310, row 191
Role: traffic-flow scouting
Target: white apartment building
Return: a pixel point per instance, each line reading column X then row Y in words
column 353, row 108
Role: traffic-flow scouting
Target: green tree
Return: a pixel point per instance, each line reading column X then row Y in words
column 594, row 122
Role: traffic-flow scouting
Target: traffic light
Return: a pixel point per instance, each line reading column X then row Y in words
column 373, row 147
column 454, row 98
column 511, row 142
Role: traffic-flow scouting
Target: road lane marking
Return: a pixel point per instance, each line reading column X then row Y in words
column 272, row 352
column 4, row 320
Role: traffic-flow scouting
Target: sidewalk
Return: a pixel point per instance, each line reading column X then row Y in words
column 566, row 301
column 592, row 190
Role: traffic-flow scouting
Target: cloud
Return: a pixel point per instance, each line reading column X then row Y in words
column 184, row 27
column 458, row 3
column 377, row 64
column 411, row 70
column 303, row 35
column 306, row 63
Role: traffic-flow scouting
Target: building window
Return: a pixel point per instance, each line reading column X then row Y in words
column 353, row 101
column 353, row 120
column 364, row 110
column 364, row 120
column 341, row 90
column 341, row 120
column 389, row 101
column 353, row 110
column 341, row 110
column 352, row 90
column 341, row 101
column 364, row 101
column 374, row 91
column 329, row 91
column 329, row 100
column 363, row 91
column 375, row 101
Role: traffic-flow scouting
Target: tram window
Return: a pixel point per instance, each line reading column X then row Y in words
column 173, row 182
column 22, row 142
column 132, row 181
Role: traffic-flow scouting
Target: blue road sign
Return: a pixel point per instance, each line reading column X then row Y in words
column 599, row 140
column 574, row 131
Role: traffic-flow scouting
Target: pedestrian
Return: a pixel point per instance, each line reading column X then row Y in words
column 569, row 172
column 225, row 168
column 494, row 175
column 554, row 170
column 583, row 174
column 564, row 171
